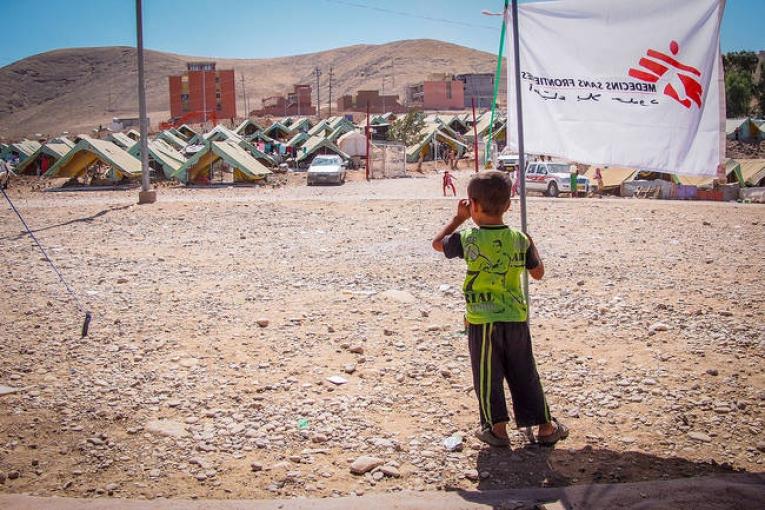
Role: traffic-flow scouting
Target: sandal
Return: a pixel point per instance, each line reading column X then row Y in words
column 490, row 438
column 561, row 432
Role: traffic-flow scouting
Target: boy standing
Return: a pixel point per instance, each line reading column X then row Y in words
column 448, row 182
column 498, row 332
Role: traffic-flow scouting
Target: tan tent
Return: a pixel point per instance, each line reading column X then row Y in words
column 753, row 171
column 90, row 151
column 613, row 176
column 245, row 167
column 731, row 165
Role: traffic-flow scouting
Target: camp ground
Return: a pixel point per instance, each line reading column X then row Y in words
column 44, row 157
column 96, row 161
column 221, row 162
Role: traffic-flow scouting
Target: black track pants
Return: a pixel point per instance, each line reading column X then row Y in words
column 502, row 351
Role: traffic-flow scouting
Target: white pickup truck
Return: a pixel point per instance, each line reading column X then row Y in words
column 553, row 178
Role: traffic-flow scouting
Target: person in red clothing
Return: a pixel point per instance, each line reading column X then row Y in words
column 448, row 182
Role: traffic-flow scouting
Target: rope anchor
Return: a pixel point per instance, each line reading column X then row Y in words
column 88, row 315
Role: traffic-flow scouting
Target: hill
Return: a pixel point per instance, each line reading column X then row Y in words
column 77, row 89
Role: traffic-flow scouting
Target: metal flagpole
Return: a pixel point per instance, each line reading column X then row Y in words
column 519, row 117
column 146, row 195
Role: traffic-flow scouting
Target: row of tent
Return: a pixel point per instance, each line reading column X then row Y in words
column 249, row 150
column 744, row 172
column 182, row 153
column 745, row 129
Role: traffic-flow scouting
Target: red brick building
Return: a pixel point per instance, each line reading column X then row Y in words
column 376, row 102
column 442, row 94
column 202, row 93
column 297, row 102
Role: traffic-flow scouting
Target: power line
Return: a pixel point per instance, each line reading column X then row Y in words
column 412, row 15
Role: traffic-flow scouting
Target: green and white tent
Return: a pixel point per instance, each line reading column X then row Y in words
column 246, row 168
column 90, row 151
column 122, row 140
column 170, row 137
column 247, row 128
column 162, row 155
column 431, row 135
column 53, row 151
column 278, row 131
column 318, row 145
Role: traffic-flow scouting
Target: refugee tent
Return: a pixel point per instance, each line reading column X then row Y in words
column 89, row 152
column 753, row 172
column 171, row 138
column 217, row 134
column 455, row 123
column 322, row 129
column 185, row 131
column 483, row 125
column 162, row 157
column 338, row 132
column 301, row 124
column 702, row 181
column 133, row 134
column 247, row 127
column 23, row 149
column 336, row 122
column 731, row 126
column 353, row 143
column 245, row 167
column 318, row 145
column 278, row 131
column 260, row 135
column 430, row 135
column 298, row 140
column 43, row 158
column 613, row 176
column 748, row 130
column 122, row 140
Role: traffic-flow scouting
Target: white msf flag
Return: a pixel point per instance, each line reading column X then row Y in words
column 621, row 82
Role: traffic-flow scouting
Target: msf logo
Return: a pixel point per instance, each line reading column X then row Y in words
column 679, row 77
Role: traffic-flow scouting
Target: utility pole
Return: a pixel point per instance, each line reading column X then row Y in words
column 383, row 93
column 330, row 90
column 146, row 195
column 204, row 98
column 244, row 93
column 317, row 72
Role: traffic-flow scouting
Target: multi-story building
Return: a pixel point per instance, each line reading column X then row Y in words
column 202, row 93
column 441, row 92
column 371, row 98
column 297, row 102
column 478, row 86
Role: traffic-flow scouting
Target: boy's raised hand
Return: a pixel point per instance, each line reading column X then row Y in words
column 463, row 209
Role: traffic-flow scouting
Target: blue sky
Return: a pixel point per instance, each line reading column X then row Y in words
column 259, row 29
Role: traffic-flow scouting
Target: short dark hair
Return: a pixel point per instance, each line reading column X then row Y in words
column 491, row 190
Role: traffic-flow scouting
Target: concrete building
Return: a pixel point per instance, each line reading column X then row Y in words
column 439, row 92
column 297, row 102
column 478, row 86
column 202, row 93
column 376, row 102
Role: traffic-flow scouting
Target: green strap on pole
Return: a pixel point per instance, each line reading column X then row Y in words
column 487, row 151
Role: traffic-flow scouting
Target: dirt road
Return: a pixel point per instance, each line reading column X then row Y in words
column 649, row 333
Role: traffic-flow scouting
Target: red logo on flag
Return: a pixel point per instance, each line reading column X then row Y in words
column 656, row 64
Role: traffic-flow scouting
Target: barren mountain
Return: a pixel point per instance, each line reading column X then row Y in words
column 77, row 89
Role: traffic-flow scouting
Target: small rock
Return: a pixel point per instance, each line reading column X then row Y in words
column 12, row 475
column 357, row 349
column 658, row 326
column 365, row 464
column 454, row 443
column 761, row 446
column 263, row 323
column 111, row 487
column 336, row 379
column 712, row 371
column 349, row 368
column 699, row 436
column 389, row 470
column 122, row 280
column 471, row 474
column 400, row 296
column 256, row 466
column 167, row 428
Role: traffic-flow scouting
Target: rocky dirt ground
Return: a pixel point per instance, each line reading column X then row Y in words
column 221, row 315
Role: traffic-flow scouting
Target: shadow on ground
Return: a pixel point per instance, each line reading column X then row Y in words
column 536, row 467
column 84, row 219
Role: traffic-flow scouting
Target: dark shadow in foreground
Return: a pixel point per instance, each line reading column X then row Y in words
column 535, row 467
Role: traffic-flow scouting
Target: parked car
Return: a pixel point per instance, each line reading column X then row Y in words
column 326, row 169
column 507, row 162
column 553, row 178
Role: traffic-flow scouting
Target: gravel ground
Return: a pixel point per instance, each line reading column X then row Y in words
column 220, row 314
